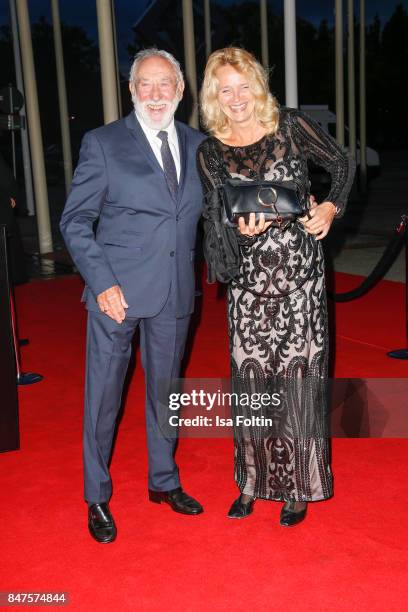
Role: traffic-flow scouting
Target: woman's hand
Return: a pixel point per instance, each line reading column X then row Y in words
column 253, row 228
column 322, row 216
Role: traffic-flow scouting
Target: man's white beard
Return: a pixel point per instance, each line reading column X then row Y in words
column 165, row 119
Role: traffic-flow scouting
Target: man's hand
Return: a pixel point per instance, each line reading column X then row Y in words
column 13, row 203
column 322, row 216
column 112, row 302
column 253, row 229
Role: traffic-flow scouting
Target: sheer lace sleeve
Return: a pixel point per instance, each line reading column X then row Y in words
column 315, row 144
column 221, row 243
column 213, row 173
column 210, row 167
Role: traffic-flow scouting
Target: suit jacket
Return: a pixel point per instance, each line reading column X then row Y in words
column 144, row 240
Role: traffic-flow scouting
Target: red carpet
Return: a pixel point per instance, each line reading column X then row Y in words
column 350, row 553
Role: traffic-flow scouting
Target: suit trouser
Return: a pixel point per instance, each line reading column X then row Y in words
column 109, row 344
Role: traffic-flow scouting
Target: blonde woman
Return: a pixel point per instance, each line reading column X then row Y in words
column 271, row 338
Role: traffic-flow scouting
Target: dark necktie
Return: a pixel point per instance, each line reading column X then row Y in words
column 169, row 166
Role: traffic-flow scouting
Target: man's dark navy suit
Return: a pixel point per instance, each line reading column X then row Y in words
column 144, row 242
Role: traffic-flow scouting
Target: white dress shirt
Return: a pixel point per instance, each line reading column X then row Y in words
column 155, row 142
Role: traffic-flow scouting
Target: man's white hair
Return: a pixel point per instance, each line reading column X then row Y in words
column 154, row 52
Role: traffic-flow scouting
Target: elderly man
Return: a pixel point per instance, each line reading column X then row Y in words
column 137, row 179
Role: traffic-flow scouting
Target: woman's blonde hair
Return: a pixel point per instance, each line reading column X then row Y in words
column 266, row 105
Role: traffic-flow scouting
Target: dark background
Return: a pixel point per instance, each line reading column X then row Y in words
column 232, row 23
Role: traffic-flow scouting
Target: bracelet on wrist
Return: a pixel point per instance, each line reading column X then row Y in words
column 336, row 208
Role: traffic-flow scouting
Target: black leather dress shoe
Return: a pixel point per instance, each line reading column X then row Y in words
column 290, row 517
column 101, row 524
column 178, row 501
column 240, row 510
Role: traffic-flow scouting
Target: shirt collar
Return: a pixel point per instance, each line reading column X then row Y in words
column 152, row 132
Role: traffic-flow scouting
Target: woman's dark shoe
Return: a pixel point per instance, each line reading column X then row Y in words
column 240, row 510
column 289, row 516
column 101, row 524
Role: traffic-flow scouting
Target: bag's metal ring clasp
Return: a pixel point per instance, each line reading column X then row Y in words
column 274, row 197
column 272, row 204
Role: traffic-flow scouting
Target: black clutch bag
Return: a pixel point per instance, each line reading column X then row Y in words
column 279, row 202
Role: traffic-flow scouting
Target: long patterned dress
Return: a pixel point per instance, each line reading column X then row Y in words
column 286, row 338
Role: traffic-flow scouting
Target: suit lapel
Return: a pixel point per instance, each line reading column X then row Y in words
column 146, row 149
column 142, row 142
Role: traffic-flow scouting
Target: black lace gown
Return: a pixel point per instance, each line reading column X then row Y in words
column 279, row 338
